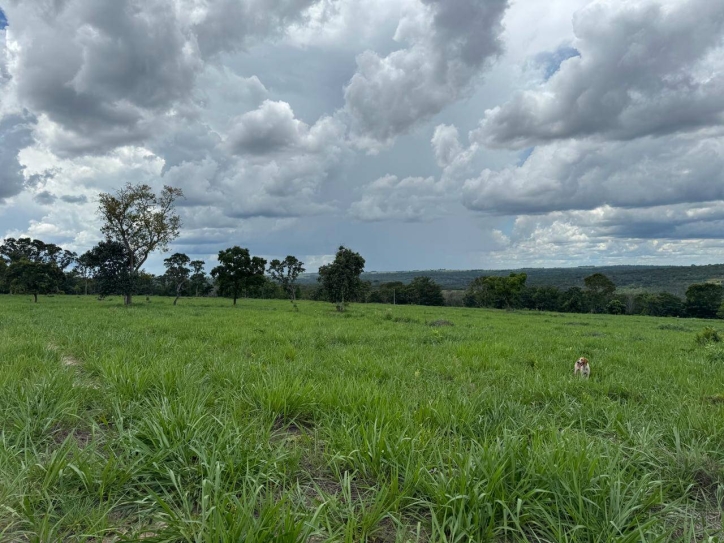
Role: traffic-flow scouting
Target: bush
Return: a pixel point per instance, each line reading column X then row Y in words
column 616, row 307
column 708, row 335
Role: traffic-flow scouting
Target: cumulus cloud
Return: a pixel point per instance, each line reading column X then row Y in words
column 15, row 134
column 584, row 174
column 681, row 234
column 449, row 43
column 390, row 198
column 645, row 68
column 118, row 70
column 415, row 199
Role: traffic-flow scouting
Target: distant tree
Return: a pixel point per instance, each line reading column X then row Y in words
column 177, row 272
column 341, row 279
column 34, row 266
column 424, row 291
column 669, row 305
column 285, row 272
column 599, row 290
column 140, row 221
column 3, row 271
column 198, row 277
column 238, row 270
column 573, row 301
column 616, row 307
column 495, row 291
column 84, row 269
column 703, row 300
column 108, row 264
column 547, row 299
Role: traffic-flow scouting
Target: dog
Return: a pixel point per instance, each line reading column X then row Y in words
column 583, row 367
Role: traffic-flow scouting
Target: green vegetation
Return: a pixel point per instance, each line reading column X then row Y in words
column 204, row 423
column 672, row 279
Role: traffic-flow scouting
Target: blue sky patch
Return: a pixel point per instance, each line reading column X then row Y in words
column 551, row 61
column 3, row 19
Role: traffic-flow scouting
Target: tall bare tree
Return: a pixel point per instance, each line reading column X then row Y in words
column 141, row 221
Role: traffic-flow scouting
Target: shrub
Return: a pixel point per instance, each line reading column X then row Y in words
column 708, row 335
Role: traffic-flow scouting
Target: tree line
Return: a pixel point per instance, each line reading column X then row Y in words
column 136, row 222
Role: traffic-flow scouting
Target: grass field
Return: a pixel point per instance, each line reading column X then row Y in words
column 206, row 423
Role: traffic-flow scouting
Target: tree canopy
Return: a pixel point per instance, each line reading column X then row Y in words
column 341, row 279
column 140, row 221
column 34, row 266
column 177, row 272
column 285, row 273
column 237, row 271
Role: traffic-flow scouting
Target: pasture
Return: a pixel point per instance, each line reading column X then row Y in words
column 208, row 423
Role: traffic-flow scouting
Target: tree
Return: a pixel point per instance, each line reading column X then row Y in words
column 34, row 266
column 615, row 307
column 341, row 279
column 494, row 291
column 424, row 291
column 177, row 272
column 703, row 300
column 85, row 269
column 198, row 277
column 599, row 289
column 573, row 300
column 108, row 264
column 237, row 270
column 140, row 221
column 547, row 299
column 285, row 272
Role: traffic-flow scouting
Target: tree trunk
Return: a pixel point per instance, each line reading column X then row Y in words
column 86, row 286
column 129, row 297
column 176, row 300
column 234, row 300
column 35, row 295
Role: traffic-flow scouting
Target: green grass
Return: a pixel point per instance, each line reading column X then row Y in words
column 206, row 423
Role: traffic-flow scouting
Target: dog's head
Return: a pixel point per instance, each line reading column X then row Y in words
column 582, row 361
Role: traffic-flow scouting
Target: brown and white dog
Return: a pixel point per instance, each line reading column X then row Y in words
column 583, row 367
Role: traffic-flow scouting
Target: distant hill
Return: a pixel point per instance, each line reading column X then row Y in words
column 674, row 279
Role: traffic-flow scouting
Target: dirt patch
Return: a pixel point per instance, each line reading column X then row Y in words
column 385, row 532
column 81, row 437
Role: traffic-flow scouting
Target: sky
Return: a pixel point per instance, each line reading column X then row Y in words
column 424, row 134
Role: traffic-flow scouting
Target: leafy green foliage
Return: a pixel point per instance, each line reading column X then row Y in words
column 285, row 272
column 703, row 300
column 178, row 272
column 108, row 264
column 599, row 290
column 341, row 279
column 140, row 221
column 199, row 284
column 237, row 271
column 708, row 335
column 497, row 292
column 33, row 266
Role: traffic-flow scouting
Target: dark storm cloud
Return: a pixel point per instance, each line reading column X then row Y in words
column 16, row 133
column 448, row 45
column 69, row 199
column 117, row 69
column 271, row 128
column 45, row 198
column 232, row 23
column 644, row 69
